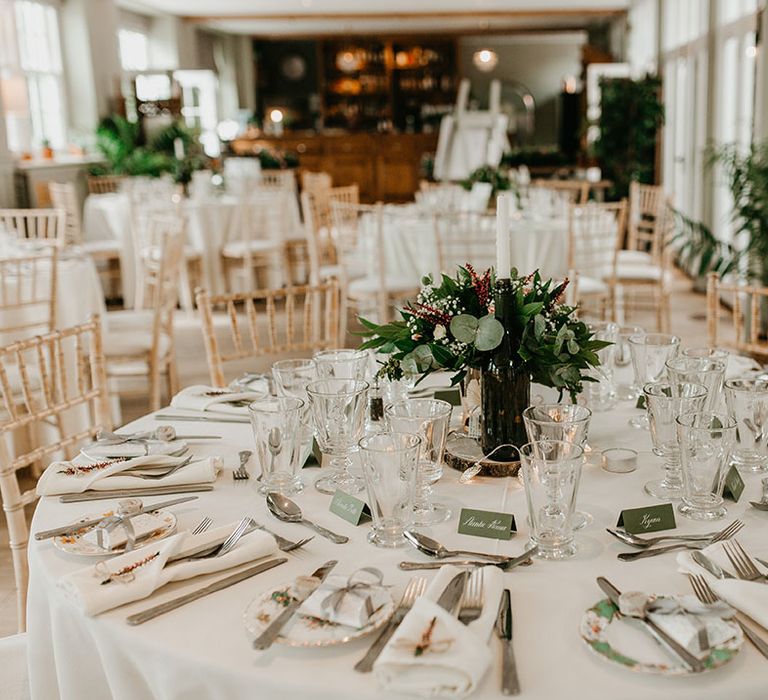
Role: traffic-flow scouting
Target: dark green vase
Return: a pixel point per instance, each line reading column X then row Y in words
column 506, row 393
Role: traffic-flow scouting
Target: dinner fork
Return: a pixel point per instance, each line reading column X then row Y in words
column 724, row 534
column 472, row 600
column 742, row 562
column 220, row 550
column 202, row 526
column 283, row 544
column 707, row 596
column 415, row 589
column 167, row 472
column 240, row 474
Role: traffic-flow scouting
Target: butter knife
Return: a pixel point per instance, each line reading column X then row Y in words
column 73, row 527
column 706, row 563
column 265, row 639
column 169, row 605
column 510, row 684
column 212, row 418
column 130, row 493
column 696, row 665
column 452, row 593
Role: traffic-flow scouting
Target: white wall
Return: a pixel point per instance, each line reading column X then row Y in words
column 538, row 61
column 642, row 36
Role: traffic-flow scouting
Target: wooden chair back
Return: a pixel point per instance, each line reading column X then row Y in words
column 42, row 380
column 64, row 196
column 576, row 191
column 269, row 322
column 28, row 295
column 647, row 219
column 315, row 209
column 105, row 184
column 748, row 304
column 316, row 181
column 464, row 237
column 594, row 236
column 45, row 225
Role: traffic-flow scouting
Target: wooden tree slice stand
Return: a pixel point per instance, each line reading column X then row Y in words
column 463, row 452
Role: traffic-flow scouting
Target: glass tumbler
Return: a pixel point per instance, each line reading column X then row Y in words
column 650, row 352
column 342, row 363
column 276, row 431
column 389, row 467
column 430, row 420
column 706, row 443
column 291, row 379
column 747, row 401
column 565, row 422
column 707, row 353
column 601, row 393
column 664, row 402
column 699, row 370
column 551, row 471
column 338, row 414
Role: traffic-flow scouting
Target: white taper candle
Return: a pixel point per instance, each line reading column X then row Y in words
column 503, row 263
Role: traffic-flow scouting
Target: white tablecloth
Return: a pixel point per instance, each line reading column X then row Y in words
column 410, row 244
column 202, row 650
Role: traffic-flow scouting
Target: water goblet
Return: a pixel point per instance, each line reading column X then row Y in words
column 601, row 393
column 664, row 402
column 291, row 378
column 699, row 370
column 561, row 422
column 747, row 401
column 706, row 443
column 429, row 419
column 551, row 472
column 623, row 358
column 708, row 353
column 276, row 432
column 342, row 362
column 338, row 414
column 389, row 468
column 650, row 352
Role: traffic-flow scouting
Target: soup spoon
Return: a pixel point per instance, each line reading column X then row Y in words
column 434, row 549
column 283, row 508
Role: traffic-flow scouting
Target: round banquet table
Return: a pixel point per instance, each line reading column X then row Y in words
column 410, row 247
column 202, row 650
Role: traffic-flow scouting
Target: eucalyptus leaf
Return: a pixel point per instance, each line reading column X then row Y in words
column 464, row 328
column 490, row 333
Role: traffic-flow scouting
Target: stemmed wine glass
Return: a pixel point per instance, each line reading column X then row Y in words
column 650, row 352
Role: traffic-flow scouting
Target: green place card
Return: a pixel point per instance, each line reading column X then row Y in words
column 349, row 508
column 452, row 395
column 486, row 523
column 315, row 458
column 734, row 485
column 647, row 519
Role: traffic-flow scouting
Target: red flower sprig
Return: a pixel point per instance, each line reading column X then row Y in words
column 88, row 468
column 430, row 314
column 127, row 571
column 481, row 285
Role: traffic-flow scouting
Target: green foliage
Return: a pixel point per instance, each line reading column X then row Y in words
column 747, row 175
column 538, row 156
column 274, row 159
column 452, row 327
column 497, row 177
column 699, row 251
column 631, row 113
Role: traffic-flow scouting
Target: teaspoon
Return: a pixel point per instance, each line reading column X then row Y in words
column 285, row 509
column 434, row 549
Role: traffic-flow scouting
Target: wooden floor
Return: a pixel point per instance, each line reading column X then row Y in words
column 688, row 321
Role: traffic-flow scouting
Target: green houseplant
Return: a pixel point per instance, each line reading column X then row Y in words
column 631, row 113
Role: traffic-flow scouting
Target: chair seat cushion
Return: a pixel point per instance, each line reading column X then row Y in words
column 592, row 285
column 14, row 679
column 642, row 273
column 102, row 247
column 129, row 342
column 129, row 319
column 634, row 257
column 237, row 249
column 370, row 285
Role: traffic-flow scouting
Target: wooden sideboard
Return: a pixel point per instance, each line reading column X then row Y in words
column 387, row 167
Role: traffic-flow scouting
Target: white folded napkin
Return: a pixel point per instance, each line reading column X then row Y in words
column 749, row 597
column 354, row 606
column 453, row 670
column 134, row 449
column 85, row 589
column 143, row 525
column 211, row 398
column 70, row 477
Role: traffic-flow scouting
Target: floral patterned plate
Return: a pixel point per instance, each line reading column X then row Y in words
column 606, row 634
column 306, row 631
column 75, row 544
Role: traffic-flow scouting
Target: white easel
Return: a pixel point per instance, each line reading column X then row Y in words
column 469, row 140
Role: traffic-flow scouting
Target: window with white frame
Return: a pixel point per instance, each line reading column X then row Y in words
column 31, row 75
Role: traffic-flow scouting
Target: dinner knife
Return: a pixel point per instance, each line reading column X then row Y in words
column 225, row 418
column 452, row 593
column 510, row 684
column 705, row 562
column 523, row 559
column 265, row 639
column 130, row 493
column 66, row 529
column 169, row 605
column 675, row 647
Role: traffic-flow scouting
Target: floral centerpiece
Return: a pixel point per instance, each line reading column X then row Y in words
column 457, row 325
